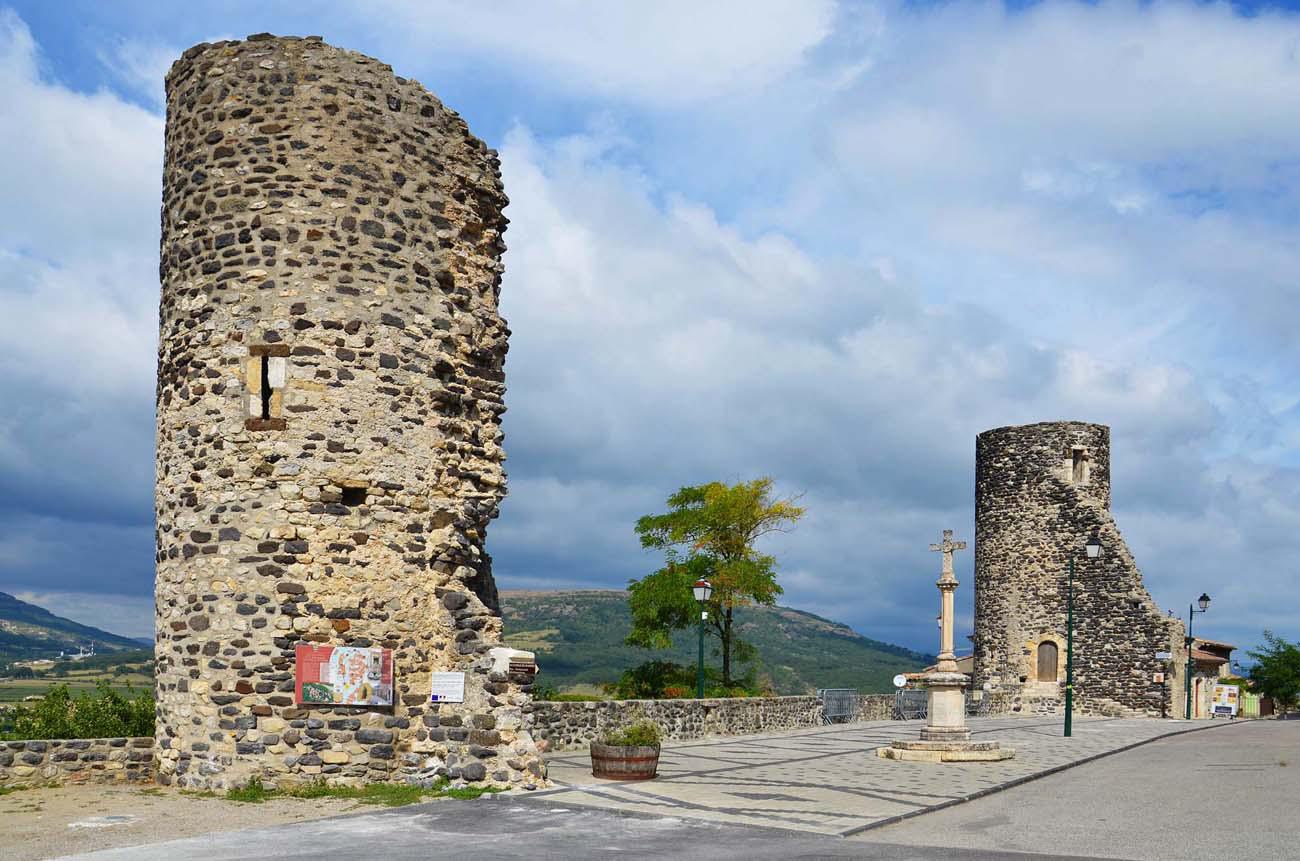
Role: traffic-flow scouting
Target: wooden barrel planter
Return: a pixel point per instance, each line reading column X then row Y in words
column 616, row 762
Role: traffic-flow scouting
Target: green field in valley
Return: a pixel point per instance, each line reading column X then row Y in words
column 15, row 690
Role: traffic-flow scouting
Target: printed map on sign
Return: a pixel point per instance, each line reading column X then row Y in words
column 343, row 675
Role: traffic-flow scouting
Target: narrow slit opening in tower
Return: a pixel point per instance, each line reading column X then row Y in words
column 1078, row 466
column 266, row 386
column 353, row 496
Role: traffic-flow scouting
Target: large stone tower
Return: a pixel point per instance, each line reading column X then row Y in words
column 330, row 384
column 1041, row 491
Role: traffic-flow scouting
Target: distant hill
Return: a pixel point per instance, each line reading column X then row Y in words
column 578, row 637
column 28, row 631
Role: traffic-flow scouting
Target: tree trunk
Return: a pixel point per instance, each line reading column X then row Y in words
column 726, row 648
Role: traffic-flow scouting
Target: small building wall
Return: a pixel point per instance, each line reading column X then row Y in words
column 49, row 762
column 1041, row 491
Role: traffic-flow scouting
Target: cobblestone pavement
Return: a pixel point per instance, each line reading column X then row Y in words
column 829, row 781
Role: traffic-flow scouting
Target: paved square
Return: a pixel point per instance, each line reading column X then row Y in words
column 829, row 780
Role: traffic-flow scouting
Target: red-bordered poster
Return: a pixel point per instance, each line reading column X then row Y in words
column 343, row 675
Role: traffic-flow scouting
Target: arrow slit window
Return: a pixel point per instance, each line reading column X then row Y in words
column 265, row 376
column 1077, row 463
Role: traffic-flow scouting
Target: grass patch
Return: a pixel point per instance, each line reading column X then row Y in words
column 6, row 790
column 384, row 794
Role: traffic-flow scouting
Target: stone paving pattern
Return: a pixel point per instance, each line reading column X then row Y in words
column 830, row 781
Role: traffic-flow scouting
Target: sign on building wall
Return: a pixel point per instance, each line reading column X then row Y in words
column 1226, row 700
column 343, row 675
column 447, row 688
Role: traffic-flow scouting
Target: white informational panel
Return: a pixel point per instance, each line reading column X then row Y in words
column 1225, row 700
column 447, row 688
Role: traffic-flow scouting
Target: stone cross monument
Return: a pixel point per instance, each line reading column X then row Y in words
column 946, row 738
column 947, row 585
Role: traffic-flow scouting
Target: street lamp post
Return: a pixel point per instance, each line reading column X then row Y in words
column 1093, row 549
column 702, row 589
column 1204, row 602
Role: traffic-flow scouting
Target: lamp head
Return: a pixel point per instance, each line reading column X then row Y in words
column 1093, row 547
column 1204, row 602
column 702, row 589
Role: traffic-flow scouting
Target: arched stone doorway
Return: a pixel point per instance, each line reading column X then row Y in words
column 1048, row 658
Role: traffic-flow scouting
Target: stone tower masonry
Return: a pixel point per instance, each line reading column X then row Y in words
column 330, row 385
column 1041, row 491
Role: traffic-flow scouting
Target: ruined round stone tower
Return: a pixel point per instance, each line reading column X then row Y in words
column 330, row 385
column 1041, row 491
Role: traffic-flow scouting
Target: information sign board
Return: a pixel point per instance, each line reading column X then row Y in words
column 447, row 688
column 1226, row 700
column 343, row 675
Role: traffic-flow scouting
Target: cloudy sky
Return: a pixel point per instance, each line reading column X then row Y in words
column 826, row 242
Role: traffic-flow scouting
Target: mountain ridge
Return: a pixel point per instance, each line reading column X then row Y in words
column 28, row 631
column 578, row 637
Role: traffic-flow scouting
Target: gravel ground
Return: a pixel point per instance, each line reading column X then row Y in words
column 47, row 822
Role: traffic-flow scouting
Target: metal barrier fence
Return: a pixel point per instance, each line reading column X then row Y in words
column 839, row 705
column 910, row 704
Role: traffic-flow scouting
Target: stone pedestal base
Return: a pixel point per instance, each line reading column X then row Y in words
column 946, row 738
column 946, row 751
column 945, row 733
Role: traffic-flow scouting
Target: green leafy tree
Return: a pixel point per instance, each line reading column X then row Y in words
column 1276, row 672
column 104, row 714
column 709, row 532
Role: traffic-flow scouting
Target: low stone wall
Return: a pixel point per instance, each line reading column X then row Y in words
column 83, row 760
column 875, row 707
column 574, row 725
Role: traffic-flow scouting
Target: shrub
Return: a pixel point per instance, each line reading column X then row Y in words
column 642, row 732
column 544, row 691
column 106, row 713
column 649, row 681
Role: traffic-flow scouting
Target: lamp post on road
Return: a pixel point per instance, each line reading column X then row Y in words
column 1204, row 602
column 1093, row 549
column 702, row 589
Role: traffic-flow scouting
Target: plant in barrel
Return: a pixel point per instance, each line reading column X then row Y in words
column 628, row 751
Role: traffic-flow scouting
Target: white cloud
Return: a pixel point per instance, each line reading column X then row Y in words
column 827, row 243
column 656, row 346
column 62, row 197
column 78, row 291
column 141, row 67
column 665, row 53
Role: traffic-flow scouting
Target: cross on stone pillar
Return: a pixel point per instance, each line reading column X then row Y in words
column 947, row 585
column 946, row 738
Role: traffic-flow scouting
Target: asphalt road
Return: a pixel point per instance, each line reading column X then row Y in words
column 1223, row 793
column 1227, row 793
